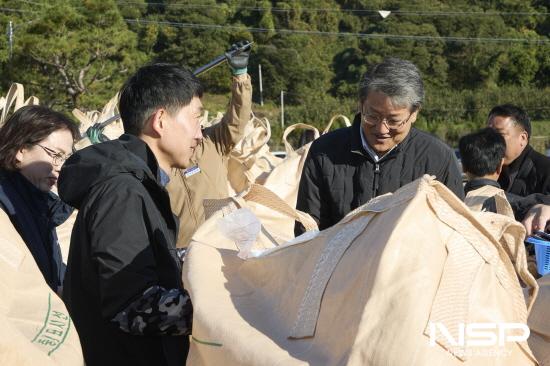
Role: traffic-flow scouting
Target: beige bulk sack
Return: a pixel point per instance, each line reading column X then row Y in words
column 276, row 216
column 251, row 158
column 334, row 118
column 539, row 322
column 87, row 119
column 475, row 199
column 36, row 327
column 367, row 291
column 15, row 98
column 284, row 179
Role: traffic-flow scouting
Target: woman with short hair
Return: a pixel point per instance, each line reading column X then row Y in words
column 34, row 143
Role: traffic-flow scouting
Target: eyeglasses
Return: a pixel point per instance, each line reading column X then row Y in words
column 57, row 158
column 372, row 120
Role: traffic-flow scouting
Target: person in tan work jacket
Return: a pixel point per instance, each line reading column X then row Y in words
column 207, row 177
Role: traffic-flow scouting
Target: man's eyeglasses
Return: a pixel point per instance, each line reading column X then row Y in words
column 390, row 124
column 57, row 158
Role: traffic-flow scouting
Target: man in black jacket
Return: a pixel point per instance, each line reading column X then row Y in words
column 525, row 171
column 482, row 154
column 379, row 153
column 123, row 283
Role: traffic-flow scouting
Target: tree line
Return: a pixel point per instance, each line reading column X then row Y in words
column 473, row 54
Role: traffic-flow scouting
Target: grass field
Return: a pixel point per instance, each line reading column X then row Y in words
column 541, row 136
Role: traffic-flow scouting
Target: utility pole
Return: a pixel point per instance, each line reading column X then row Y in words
column 282, row 109
column 261, row 85
column 10, row 38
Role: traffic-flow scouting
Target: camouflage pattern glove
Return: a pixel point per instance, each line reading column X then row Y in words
column 157, row 312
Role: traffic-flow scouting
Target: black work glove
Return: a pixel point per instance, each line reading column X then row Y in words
column 238, row 62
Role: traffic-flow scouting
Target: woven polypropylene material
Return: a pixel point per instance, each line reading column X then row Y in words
column 211, row 206
column 15, row 98
column 267, row 198
column 252, row 143
column 505, row 272
column 450, row 306
column 304, row 126
column 334, row 118
column 489, row 248
column 310, row 306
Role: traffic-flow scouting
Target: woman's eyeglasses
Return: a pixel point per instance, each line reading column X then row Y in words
column 57, row 158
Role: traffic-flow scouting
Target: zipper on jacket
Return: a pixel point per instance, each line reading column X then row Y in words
column 376, row 178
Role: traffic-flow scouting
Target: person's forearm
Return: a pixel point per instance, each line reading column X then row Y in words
column 240, row 108
column 227, row 133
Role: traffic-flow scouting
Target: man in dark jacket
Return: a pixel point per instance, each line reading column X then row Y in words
column 526, row 171
column 482, row 154
column 379, row 153
column 123, row 283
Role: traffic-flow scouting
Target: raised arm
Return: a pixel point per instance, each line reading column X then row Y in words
column 230, row 130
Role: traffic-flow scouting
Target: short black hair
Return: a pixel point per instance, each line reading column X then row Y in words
column 155, row 86
column 481, row 152
column 515, row 113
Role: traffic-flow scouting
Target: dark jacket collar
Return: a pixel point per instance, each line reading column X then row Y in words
column 136, row 146
column 27, row 190
column 519, row 168
column 97, row 163
column 478, row 183
column 46, row 204
column 356, row 144
column 518, row 162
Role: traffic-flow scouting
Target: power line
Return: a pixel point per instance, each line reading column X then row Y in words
column 325, row 33
column 32, row 3
column 374, row 12
column 17, row 10
column 339, row 34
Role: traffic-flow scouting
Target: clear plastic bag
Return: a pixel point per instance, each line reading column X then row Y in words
column 243, row 227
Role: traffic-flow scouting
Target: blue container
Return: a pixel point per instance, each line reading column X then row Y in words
column 542, row 253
